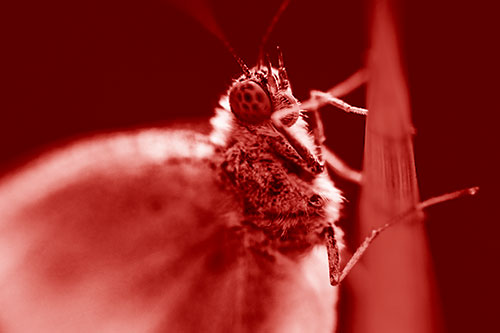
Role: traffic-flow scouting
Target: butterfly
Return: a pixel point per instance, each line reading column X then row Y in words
column 176, row 230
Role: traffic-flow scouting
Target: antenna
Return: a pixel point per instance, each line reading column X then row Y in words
column 270, row 29
column 202, row 13
column 240, row 61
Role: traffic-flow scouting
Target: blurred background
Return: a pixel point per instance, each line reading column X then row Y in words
column 74, row 69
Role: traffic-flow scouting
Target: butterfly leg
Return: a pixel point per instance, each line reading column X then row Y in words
column 324, row 153
column 350, row 84
column 324, row 98
column 340, row 167
column 317, row 100
column 333, row 256
column 332, row 96
column 292, row 150
column 337, row 274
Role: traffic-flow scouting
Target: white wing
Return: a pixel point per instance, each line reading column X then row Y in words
column 130, row 233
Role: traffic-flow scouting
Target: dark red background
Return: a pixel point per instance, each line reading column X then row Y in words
column 75, row 68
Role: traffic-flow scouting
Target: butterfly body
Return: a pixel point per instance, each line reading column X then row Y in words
column 131, row 232
column 170, row 230
column 271, row 180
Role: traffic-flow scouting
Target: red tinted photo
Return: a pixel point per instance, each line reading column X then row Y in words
column 264, row 166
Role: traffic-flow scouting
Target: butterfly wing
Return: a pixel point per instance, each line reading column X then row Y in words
column 132, row 233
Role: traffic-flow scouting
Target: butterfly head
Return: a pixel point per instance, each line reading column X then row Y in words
column 260, row 92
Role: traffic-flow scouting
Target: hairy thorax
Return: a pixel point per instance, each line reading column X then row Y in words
column 284, row 207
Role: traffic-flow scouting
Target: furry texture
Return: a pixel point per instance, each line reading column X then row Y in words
column 259, row 166
column 133, row 233
column 169, row 231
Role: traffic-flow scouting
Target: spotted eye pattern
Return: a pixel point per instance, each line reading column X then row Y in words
column 249, row 102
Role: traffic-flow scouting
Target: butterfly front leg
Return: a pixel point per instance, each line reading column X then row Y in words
column 293, row 151
column 317, row 100
column 338, row 273
column 333, row 256
column 321, row 153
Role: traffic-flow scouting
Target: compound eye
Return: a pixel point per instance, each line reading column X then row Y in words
column 249, row 102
